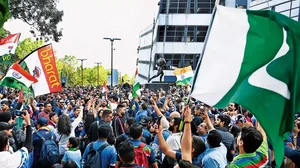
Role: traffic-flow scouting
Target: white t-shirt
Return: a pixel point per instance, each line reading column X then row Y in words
column 13, row 160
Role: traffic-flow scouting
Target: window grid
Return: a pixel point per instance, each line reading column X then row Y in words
column 179, row 60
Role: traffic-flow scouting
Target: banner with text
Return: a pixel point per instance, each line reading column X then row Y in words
column 41, row 64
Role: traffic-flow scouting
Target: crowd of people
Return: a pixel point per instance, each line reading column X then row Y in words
column 82, row 127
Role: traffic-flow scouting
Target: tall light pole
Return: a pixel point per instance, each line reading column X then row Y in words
column 112, row 56
column 98, row 72
column 82, row 69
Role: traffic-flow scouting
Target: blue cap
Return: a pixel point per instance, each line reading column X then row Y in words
column 42, row 121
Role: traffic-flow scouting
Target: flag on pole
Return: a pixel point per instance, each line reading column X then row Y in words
column 4, row 12
column 17, row 77
column 136, row 89
column 8, row 46
column 184, row 75
column 41, row 64
column 257, row 55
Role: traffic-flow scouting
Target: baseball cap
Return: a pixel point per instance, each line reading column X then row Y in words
column 42, row 121
column 6, row 126
column 5, row 102
column 146, row 120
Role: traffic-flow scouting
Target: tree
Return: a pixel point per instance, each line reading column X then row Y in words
column 66, row 67
column 26, row 46
column 42, row 16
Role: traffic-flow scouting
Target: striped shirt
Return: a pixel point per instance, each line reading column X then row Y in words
column 252, row 160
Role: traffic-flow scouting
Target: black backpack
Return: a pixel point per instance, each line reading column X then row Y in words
column 93, row 158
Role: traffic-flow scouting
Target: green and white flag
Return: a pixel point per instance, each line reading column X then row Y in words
column 136, row 89
column 257, row 55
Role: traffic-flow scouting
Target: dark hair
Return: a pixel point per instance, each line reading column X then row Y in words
column 89, row 119
column 144, row 106
column 64, row 125
column 103, row 131
column 51, row 115
column 130, row 121
column 74, row 142
column 136, row 131
column 225, row 118
column 251, row 138
column 3, row 140
column 70, row 164
column 106, row 113
column 214, row 138
column 198, row 145
column 177, row 121
column 126, row 152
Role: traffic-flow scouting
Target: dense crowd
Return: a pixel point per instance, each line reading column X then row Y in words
column 84, row 127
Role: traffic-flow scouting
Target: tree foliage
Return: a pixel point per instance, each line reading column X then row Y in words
column 69, row 67
column 42, row 16
column 26, row 46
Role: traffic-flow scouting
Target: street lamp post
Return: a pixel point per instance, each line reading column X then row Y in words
column 82, row 69
column 112, row 55
column 98, row 72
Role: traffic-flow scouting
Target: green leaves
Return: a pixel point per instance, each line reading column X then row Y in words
column 42, row 15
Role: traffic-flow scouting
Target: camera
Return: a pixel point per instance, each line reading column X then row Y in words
column 19, row 113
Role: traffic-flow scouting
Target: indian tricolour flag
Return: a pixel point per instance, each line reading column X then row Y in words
column 184, row 75
column 8, row 46
column 41, row 64
column 253, row 58
column 17, row 77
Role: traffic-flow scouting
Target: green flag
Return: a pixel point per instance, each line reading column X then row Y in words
column 136, row 91
column 4, row 12
column 257, row 55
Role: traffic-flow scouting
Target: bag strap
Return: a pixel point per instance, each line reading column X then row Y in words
column 40, row 136
column 120, row 122
column 142, row 145
column 61, row 135
column 102, row 147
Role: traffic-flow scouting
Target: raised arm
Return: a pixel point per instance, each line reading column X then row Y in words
column 186, row 142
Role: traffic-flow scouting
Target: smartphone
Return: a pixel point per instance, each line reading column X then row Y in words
column 19, row 113
column 158, row 121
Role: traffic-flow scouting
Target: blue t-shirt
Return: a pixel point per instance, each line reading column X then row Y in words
column 108, row 155
column 73, row 155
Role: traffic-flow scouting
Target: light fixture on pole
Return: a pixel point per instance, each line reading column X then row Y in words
column 81, row 69
column 112, row 55
column 98, row 72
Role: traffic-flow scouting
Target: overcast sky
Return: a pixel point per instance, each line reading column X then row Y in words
column 85, row 23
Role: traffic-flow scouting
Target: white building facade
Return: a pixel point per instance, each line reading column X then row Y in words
column 178, row 33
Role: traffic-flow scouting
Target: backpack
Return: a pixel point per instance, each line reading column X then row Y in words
column 93, row 158
column 141, row 157
column 49, row 153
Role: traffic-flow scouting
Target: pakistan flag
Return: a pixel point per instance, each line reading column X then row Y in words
column 257, row 55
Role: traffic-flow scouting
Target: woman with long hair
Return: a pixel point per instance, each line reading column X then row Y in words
column 84, row 135
column 66, row 129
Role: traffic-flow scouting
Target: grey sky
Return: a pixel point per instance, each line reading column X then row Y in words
column 85, row 23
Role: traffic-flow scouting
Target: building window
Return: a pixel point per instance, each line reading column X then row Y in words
column 202, row 6
column 178, row 6
column 163, row 6
column 179, row 60
column 201, row 33
column 176, row 33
